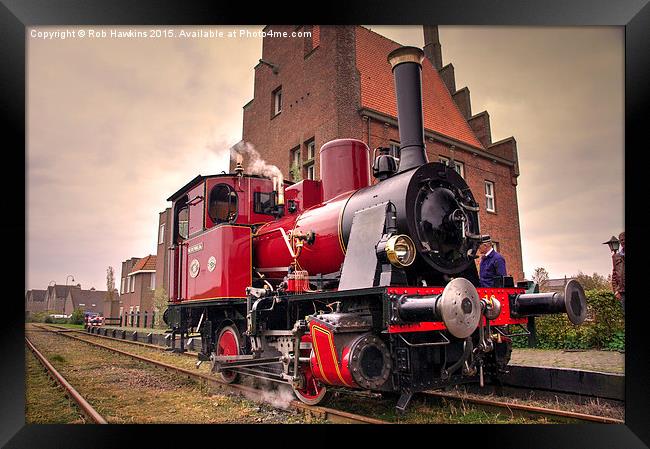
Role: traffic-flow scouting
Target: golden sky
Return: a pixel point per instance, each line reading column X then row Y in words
column 116, row 125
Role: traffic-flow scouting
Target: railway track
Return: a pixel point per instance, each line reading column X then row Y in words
column 523, row 409
column 73, row 394
column 325, row 413
column 511, row 407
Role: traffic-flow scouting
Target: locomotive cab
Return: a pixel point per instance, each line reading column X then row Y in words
column 212, row 230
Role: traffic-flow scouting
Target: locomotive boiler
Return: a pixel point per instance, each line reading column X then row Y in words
column 344, row 282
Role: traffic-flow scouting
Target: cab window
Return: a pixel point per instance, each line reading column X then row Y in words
column 222, row 206
column 182, row 220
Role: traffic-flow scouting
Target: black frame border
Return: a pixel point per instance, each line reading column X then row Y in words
column 634, row 15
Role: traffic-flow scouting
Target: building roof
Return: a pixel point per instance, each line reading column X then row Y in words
column 441, row 115
column 61, row 291
column 145, row 264
column 88, row 300
column 87, row 297
column 38, row 295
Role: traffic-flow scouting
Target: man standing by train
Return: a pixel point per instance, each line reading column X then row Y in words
column 618, row 271
column 493, row 265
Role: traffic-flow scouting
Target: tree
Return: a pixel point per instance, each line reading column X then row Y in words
column 160, row 302
column 593, row 282
column 77, row 317
column 110, row 291
column 295, row 172
column 540, row 277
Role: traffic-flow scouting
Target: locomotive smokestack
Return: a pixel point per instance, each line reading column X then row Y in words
column 407, row 70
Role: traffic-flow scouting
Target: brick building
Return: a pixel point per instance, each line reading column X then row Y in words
column 87, row 300
column 56, row 296
column 338, row 83
column 35, row 301
column 137, row 285
column 162, row 252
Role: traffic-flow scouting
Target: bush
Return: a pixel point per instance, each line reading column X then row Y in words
column 37, row 317
column 77, row 317
column 604, row 327
column 48, row 319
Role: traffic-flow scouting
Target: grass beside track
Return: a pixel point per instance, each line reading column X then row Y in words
column 128, row 391
column 424, row 411
column 45, row 400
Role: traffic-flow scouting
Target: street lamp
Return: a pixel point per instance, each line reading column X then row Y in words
column 71, row 276
column 613, row 244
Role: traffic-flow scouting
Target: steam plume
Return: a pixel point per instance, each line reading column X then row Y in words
column 256, row 165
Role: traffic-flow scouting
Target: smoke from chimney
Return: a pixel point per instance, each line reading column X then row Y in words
column 256, row 165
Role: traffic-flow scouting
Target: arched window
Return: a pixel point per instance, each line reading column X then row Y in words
column 222, row 207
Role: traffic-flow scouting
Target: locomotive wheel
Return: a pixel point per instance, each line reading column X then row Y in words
column 228, row 344
column 313, row 392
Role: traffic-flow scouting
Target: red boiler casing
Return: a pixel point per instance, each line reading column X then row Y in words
column 344, row 165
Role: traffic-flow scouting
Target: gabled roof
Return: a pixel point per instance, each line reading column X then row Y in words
column 87, row 297
column 145, row 264
column 61, row 291
column 441, row 115
column 38, row 295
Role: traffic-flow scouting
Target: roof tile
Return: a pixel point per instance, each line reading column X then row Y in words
column 441, row 115
column 146, row 263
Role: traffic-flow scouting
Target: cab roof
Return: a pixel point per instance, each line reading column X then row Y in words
column 200, row 178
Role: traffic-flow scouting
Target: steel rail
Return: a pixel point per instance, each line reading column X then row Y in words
column 328, row 414
column 531, row 409
column 70, row 391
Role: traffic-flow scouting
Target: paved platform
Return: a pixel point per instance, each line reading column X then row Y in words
column 592, row 360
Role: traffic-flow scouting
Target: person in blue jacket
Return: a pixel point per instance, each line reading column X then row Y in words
column 492, row 265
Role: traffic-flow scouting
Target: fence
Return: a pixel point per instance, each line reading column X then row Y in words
column 136, row 319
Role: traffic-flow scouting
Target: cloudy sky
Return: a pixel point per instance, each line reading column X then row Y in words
column 114, row 126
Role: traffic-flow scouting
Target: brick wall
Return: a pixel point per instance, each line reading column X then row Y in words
column 162, row 252
column 320, row 95
column 127, row 299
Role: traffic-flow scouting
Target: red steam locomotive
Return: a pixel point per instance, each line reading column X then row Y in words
column 341, row 282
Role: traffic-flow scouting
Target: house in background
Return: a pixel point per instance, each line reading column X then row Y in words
column 138, row 282
column 162, row 252
column 87, row 300
column 35, row 301
column 111, row 307
column 56, row 297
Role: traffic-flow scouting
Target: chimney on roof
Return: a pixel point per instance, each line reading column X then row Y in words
column 432, row 49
